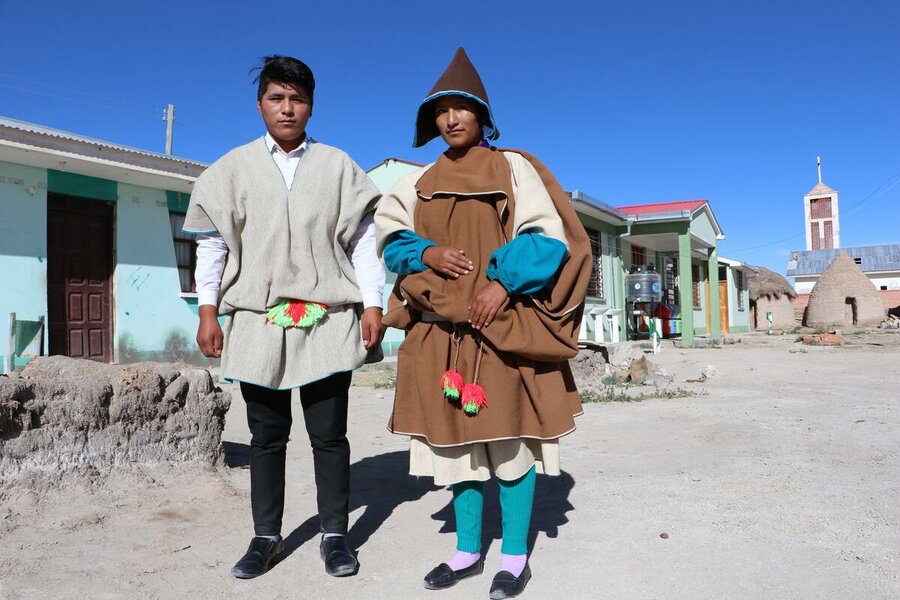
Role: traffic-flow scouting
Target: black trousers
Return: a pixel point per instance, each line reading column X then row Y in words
column 325, row 414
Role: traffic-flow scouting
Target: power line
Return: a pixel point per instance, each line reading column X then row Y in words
column 882, row 189
column 105, row 97
column 880, row 192
column 79, row 101
column 222, row 135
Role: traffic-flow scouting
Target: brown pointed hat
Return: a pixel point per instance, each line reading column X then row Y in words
column 460, row 79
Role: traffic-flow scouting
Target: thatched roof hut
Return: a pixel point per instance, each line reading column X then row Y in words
column 770, row 283
column 772, row 295
column 844, row 296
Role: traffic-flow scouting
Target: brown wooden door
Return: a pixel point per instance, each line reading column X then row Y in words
column 79, row 277
column 723, row 305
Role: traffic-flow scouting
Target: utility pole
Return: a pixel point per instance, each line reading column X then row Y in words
column 169, row 118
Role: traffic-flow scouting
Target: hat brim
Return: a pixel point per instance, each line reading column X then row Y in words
column 426, row 128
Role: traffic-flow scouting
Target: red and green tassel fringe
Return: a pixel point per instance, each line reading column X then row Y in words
column 452, row 384
column 473, row 398
column 296, row 313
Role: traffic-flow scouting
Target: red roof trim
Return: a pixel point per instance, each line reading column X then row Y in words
column 662, row 207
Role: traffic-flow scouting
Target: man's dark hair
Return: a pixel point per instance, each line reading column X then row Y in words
column 287, row 70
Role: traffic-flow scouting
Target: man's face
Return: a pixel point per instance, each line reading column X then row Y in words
column 285, row 110
column 457, row 121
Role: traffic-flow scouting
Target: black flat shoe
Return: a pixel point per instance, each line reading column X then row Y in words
column 442, row 576
column 505, row 585
column 258, row 558
column 339, row 560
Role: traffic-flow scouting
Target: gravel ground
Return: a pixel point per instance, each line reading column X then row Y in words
column 780, row 481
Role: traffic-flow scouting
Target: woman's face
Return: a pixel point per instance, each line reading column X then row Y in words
column 457, row 121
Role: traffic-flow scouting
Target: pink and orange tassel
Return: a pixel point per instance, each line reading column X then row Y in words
column 296, row 313
column 473, row 398
column 452, row 384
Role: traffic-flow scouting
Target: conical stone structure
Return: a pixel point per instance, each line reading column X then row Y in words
column 844, row 297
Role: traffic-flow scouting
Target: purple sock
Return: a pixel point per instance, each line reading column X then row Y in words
column 462, row 560
column 514, row 563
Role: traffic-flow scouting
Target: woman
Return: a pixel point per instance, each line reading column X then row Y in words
column 494, row 266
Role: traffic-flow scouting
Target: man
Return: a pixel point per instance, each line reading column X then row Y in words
column 286, row 251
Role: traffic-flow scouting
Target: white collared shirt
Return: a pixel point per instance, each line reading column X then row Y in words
column 212, row 250
column 287, row 161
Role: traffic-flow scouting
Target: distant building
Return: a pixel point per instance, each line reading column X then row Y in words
column 820, row 207
column 843, row 297
column 879, row 263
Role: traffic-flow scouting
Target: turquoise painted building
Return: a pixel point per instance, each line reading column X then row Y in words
column 93, row 259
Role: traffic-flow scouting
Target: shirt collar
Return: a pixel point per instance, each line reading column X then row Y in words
column 274, row 147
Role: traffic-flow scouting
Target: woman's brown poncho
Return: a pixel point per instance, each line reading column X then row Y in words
column 468, row 203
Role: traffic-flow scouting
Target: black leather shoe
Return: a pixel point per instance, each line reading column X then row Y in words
column 505, row 585
column 339, row 560
column 259, row 557
column 442, row 576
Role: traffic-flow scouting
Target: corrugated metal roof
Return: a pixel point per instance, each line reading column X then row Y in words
column 65, row 135
column 598, row 204
column 885, row 257
column 662, row 207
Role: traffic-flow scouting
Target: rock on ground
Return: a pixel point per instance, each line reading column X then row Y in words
column 588, row 368
column 61, row 413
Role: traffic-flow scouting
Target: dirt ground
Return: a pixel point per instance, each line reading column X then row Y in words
column 780, row 481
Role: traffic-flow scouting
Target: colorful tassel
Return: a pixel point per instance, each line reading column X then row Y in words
column 296, row 313
column 452, row 384
column 473, row 398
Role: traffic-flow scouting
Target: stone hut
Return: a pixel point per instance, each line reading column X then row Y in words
column 770, row 292
column 844, row 297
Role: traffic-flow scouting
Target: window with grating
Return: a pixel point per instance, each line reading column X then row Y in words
column 670, row 273
column 695, row 285
column 739, row 283
column 595, row 285
column 814, row 234
column 185, row 253
column 638, row 256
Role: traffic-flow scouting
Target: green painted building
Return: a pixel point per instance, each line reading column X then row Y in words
column 706, row 294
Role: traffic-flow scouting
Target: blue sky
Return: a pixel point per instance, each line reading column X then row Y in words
column 629, row 102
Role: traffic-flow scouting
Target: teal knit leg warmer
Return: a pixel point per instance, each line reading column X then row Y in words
column 516, row 499
column 468, row 504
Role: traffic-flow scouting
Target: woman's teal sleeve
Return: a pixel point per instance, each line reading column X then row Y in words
column 403, row 252
column 527, row 263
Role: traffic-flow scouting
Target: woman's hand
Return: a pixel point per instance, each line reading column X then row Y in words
column 209, row 333
column 486, row 303
column 447, row 261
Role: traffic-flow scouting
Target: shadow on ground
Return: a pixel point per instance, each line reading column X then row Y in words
column 378, row 483
column 551, row 503
column 382, row 483
column 237, row 456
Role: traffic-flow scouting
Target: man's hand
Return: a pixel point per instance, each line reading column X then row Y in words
column 447, row 261
column 486, row 303
column 372, row 328
column 209, row 334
